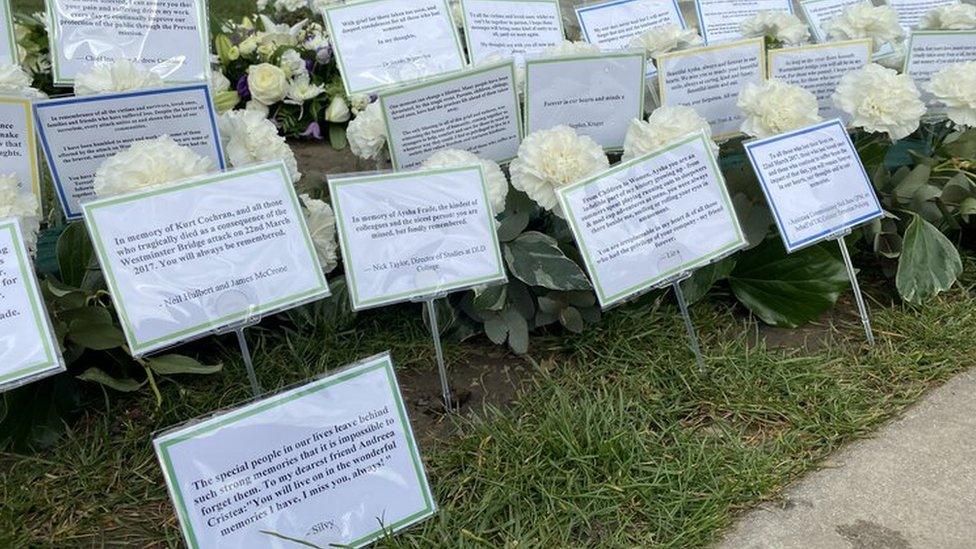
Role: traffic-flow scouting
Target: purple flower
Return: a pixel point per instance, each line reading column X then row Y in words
column 313, row 130
column 324, row 55
column 309, row 65
column 243, row 89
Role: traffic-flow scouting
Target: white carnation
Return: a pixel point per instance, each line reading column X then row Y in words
column 367, row 132
column 20, row 204
column 550, row 159
column 268, row 83
column 496, row 181
column 880, row 100
column 951, row 17
column 14, row 81
column 118, row 76
column 290, row 5
column 292, row 63
column 774, row 107
column 664, row 39
column 665, row 126
column 955, row 86
column 568, row 48
column 879, row 23
column 782, row 26
column 250, row 138
column 322, row 228
column 150, row 163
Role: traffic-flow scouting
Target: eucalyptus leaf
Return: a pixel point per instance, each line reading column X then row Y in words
column 572, row 320
column 178, row 364
column 491, row 298
column 496, row 329
column 535, row 258
column 124, row 385
column 929, row 263
column 963, row 146
column 518, row 331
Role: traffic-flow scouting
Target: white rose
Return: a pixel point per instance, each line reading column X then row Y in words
column 955, row 87
column 22, row 205
column 322, row 228
column 879, row 23
column 337, row 111
column 880, row 100
column 250, row 138
column 550, row 159
column 14, row 81
column 268, row 83
column 951, row 17
column 665, row 126
column 664, row 39
column 301, row 90
column 118, row 76
column 495, row 178
column 149, row 163
column 774, row 107
column 292, row 63
column 782, row 26
column 569, row 48
column 367, row 132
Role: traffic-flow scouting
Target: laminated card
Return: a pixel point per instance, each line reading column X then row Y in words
column 476, row 110
column 910, row 12
column 18, row 144
column 719, row 20
column 415, row 235
column 168, row 37
column 652, row 218
column 820, row 12
column 28, row 347
column 931, row 51
column 597, row 96
column 614, row 23
column 709, row 80
column 814, row 182
column 79, row 133
column 379, row 43
column 8, row 38
column 332, row 463
column 819, row 68
column 510, row 28
column 191, row 258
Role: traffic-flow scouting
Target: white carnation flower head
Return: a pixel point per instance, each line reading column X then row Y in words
column 496, row 181
column 118, row 76
column 554, row 158
column 250, row 138
column 952, row 17
column 774, row 107
column 665, row 126
column 15, row 81
column 367, row 132
column 879, row 23
column 569, row 48
column 881, row 101
column 150, row 163
column 20, row 204
column 322, row 228
column 781, row 26
column 667, row 38
column 955, row 87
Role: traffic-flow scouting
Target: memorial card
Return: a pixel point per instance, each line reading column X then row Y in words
column 414, row 235
column 510, row 28
column 598, row 96
column 814, row 182
column 188, row 259
column 929, row 52
column 476, row 110
column 719, row 20
column 819, row 69
column 28, row 347
column 379, row 43
column 652, row 218
column 8, row 37
column 18, row 144
column 614, row 23
column 168, row 37
column 709, row 79
column 910, row 12
column 79, row 133
column 332, row 463
column 820, row 12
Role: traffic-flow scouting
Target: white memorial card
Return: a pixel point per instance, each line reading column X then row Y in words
column 931, row 51
column 709, row 80
column 168, row 37
column 476, row 110
column 910, row 12
column 819, row 69
column 28, row 347
column 652, row 218
column 188, row 259
column 8, row 37
column 814, row 182
column 332, row 463
column 18, row 144
column 79, row 133
column 414, row 235
column 380, row 43
column 820, row 12
column 719, row 20
column 510, row 28
column 598, row 96
column 613, row 24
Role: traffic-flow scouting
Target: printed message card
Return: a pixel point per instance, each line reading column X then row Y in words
column 720, row 20
column 8, row 38
column 168, row 37
column 930, row 51
column 709, row 80
column 613, row 24
column 910, row 12
column 333, row 463
column 379, row 43
column 820, row 12
column 476, row 110
column 188, row 259
column 28, row 347
column 819, row 69
column 79, row 133
column 510, row 28
column 652, row 218
column 814, row 182
column 598, row 96
column 18, row 144
column 413, row 235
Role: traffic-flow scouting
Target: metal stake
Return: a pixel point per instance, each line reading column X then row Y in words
column 248, row 362
column 441, row 366
column 852, row 273
column 689, row 325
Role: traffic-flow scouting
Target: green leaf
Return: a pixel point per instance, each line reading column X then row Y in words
column 92, row 327
column 962, row 146
column 491, row 298
column 496, row 329
column 536, row 259
column 337, row 137
column 124, row 385
column 168, row 365
column 518, row 213
column 518, row 331
column 697, row 287
column 75, row 254
column 967, row 208
column 788, row 290
column 572, row 320
column 929, row 263
column 914, row 181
